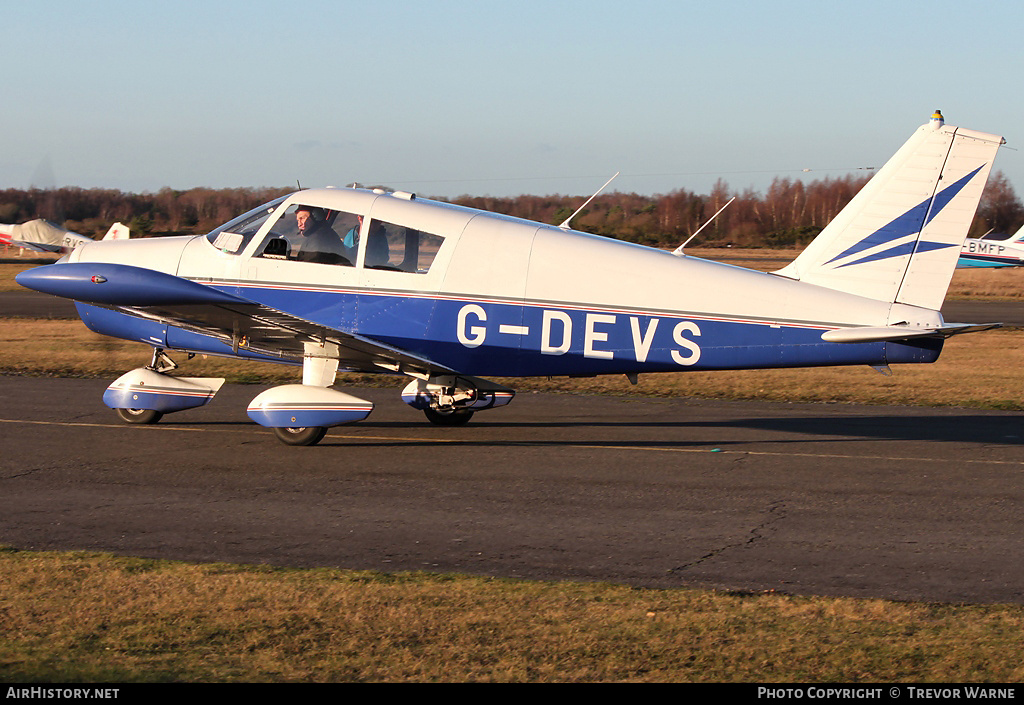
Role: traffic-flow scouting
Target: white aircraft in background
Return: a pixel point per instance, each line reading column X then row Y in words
column 978, row 252
column 444, row 295
column 43, row 236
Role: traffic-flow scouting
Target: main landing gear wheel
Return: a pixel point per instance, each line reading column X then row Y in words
column 451, row 417
column 307, row 436
column 139, row 415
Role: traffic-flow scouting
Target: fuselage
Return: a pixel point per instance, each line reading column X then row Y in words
column 991, row 253
column 41, row 236
column 510, row 297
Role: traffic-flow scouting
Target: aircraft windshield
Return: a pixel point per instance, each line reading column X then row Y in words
column 234, row 235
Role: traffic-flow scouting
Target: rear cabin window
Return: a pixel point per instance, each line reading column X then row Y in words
column 397, row 248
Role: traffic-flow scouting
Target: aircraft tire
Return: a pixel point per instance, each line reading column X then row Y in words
column 455, row 417
column 140, row 416
column 307, row 436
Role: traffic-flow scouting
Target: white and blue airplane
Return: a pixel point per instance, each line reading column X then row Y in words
column 980, row 252
column 386, row 282
column 43, row 236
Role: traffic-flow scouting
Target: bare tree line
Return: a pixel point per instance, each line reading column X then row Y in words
column 790, row 213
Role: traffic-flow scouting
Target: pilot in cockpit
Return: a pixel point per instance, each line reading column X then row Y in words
column 319, row 242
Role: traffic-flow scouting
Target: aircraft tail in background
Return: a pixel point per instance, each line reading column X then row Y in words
column 899, row 238
column 117, row 231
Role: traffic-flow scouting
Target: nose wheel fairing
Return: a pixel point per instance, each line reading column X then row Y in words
column 146, row 389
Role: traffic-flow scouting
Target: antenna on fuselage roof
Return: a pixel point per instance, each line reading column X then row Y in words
column 678, row 252
column 565, row 223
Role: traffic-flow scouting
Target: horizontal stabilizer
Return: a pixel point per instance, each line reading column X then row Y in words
column 876, row 334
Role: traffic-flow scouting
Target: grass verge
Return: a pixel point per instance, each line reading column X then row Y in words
column 87, row 617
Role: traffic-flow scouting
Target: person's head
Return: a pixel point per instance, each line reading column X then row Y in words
column 307, row 216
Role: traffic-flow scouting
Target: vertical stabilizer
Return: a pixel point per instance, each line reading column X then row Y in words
column 117, row 231
column 899, row 239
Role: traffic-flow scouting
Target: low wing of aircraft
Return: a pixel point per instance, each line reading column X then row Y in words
column 979, row 252
column 377, row 281
column 43, row 236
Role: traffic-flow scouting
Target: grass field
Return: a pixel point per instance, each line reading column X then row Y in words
column 77, row 617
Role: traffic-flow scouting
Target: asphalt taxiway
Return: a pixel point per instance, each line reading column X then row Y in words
column 889, row 502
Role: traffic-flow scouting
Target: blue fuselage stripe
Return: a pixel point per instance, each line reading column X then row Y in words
column 487, row 337
column 508, row 338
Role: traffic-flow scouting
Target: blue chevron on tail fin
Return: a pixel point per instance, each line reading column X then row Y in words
column 899, row 239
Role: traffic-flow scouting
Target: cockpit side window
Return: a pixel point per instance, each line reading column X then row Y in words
column 398, row 248
column 313, row 234
column 234, row 235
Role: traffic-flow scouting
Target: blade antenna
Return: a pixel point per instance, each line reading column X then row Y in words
column 565, row 223
column 679, row 250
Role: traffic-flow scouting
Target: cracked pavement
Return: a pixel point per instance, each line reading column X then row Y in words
column 889, row 502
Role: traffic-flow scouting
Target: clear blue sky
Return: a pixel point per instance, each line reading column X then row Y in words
column 452, row 97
